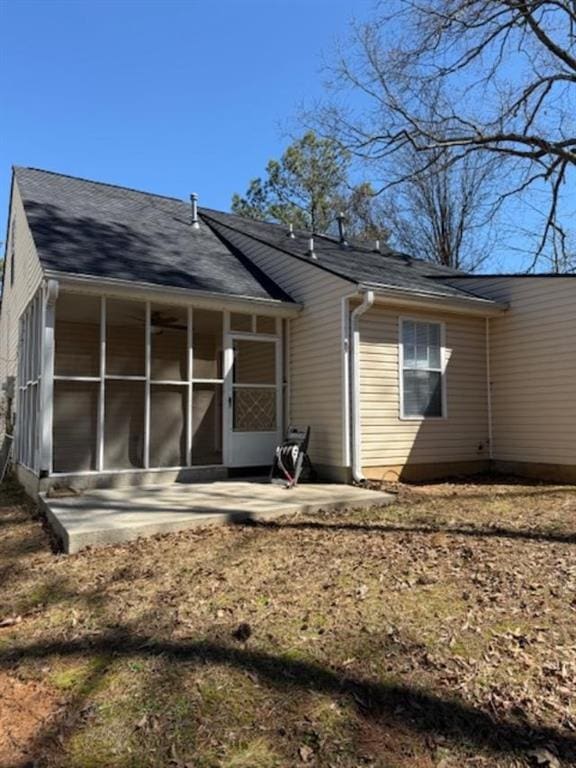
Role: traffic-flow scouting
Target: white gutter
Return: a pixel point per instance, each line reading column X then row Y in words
column 155, row 292
column 439, row 302
column 489, row 391
column 354, row 383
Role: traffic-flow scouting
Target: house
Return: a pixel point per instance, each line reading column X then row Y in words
column 143, row 339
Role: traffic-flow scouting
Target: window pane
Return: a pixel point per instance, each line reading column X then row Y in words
column 77, row 336
column 207, row 424
column 168, row 405
column 434, row 334
column 239, row 322
column 409, row 355
column 421, row 345
column 254, row 409
column 265, row 324
column 435, row 345
column 125, row 337
column 207, row 342
column 254, row 362
column 422, row 393
column 169, row 343
column 408, row 333
column 124, row 425
column 74, row 430
column 434, row 357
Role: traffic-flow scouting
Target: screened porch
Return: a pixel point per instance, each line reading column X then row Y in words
column 141, row 386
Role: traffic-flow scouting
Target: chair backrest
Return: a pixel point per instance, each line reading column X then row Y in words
column 298, row 436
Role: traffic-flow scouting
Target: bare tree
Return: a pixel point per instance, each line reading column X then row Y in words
column 445, row 213
column 562, row 251
column 509, row 67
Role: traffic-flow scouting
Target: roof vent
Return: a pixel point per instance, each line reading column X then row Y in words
column 341, row 229
column 194, row 203
column 291, row 231
column 311, row 253
column 377, row 246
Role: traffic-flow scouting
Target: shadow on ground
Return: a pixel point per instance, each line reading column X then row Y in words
column 560, row 537
column 408, row 707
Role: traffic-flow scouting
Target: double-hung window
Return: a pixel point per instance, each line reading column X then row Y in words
column 421, row 371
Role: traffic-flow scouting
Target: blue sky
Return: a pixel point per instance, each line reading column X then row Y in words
column 171, row 97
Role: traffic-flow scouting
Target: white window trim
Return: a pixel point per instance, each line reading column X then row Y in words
column 443, row 361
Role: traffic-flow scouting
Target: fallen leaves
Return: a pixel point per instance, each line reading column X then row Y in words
column 544, row 758
column 305, row 753
column 458, row 590
column 10, row 621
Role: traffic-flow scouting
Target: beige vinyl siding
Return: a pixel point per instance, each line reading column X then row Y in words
column 315, row 353
column 27, row 279
column 74, row 424
column 388, row 440
column 533, row 362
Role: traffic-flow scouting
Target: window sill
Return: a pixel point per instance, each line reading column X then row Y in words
column 423, row 418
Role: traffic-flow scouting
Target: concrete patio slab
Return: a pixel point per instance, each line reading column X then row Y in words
column 98, row 518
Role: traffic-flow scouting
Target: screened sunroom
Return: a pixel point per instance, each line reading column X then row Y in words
column 136, row 387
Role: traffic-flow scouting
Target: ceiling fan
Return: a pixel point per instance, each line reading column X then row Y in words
column 160, row 320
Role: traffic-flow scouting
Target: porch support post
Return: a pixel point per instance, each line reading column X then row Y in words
column 190, row 372
column 279, row 383
column 286, row 375
column 147, row 390
column 101, row 389
column 227, row 392
column 50, row 295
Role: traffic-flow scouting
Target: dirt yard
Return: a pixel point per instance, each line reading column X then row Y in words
column 439, row 631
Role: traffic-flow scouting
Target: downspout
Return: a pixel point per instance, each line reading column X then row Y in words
column 489, row 392
column 356, row 436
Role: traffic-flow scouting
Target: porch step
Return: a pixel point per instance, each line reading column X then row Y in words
column 137, row 477
column 99, row 518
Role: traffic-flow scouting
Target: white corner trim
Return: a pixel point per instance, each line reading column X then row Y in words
column 489, row 391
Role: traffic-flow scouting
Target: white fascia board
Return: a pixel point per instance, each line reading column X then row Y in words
column 432, row 301
column 110, row 286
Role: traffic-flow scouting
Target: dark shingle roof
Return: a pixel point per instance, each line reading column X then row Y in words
column 355, row 263
column 89, row 228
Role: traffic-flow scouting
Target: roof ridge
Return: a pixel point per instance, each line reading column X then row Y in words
column 95, row 181
column 278, row 225
column 230, row 214
column 278, row 247
column 354, row 244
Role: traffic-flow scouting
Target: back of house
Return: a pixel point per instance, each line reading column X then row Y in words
column 144, row 340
